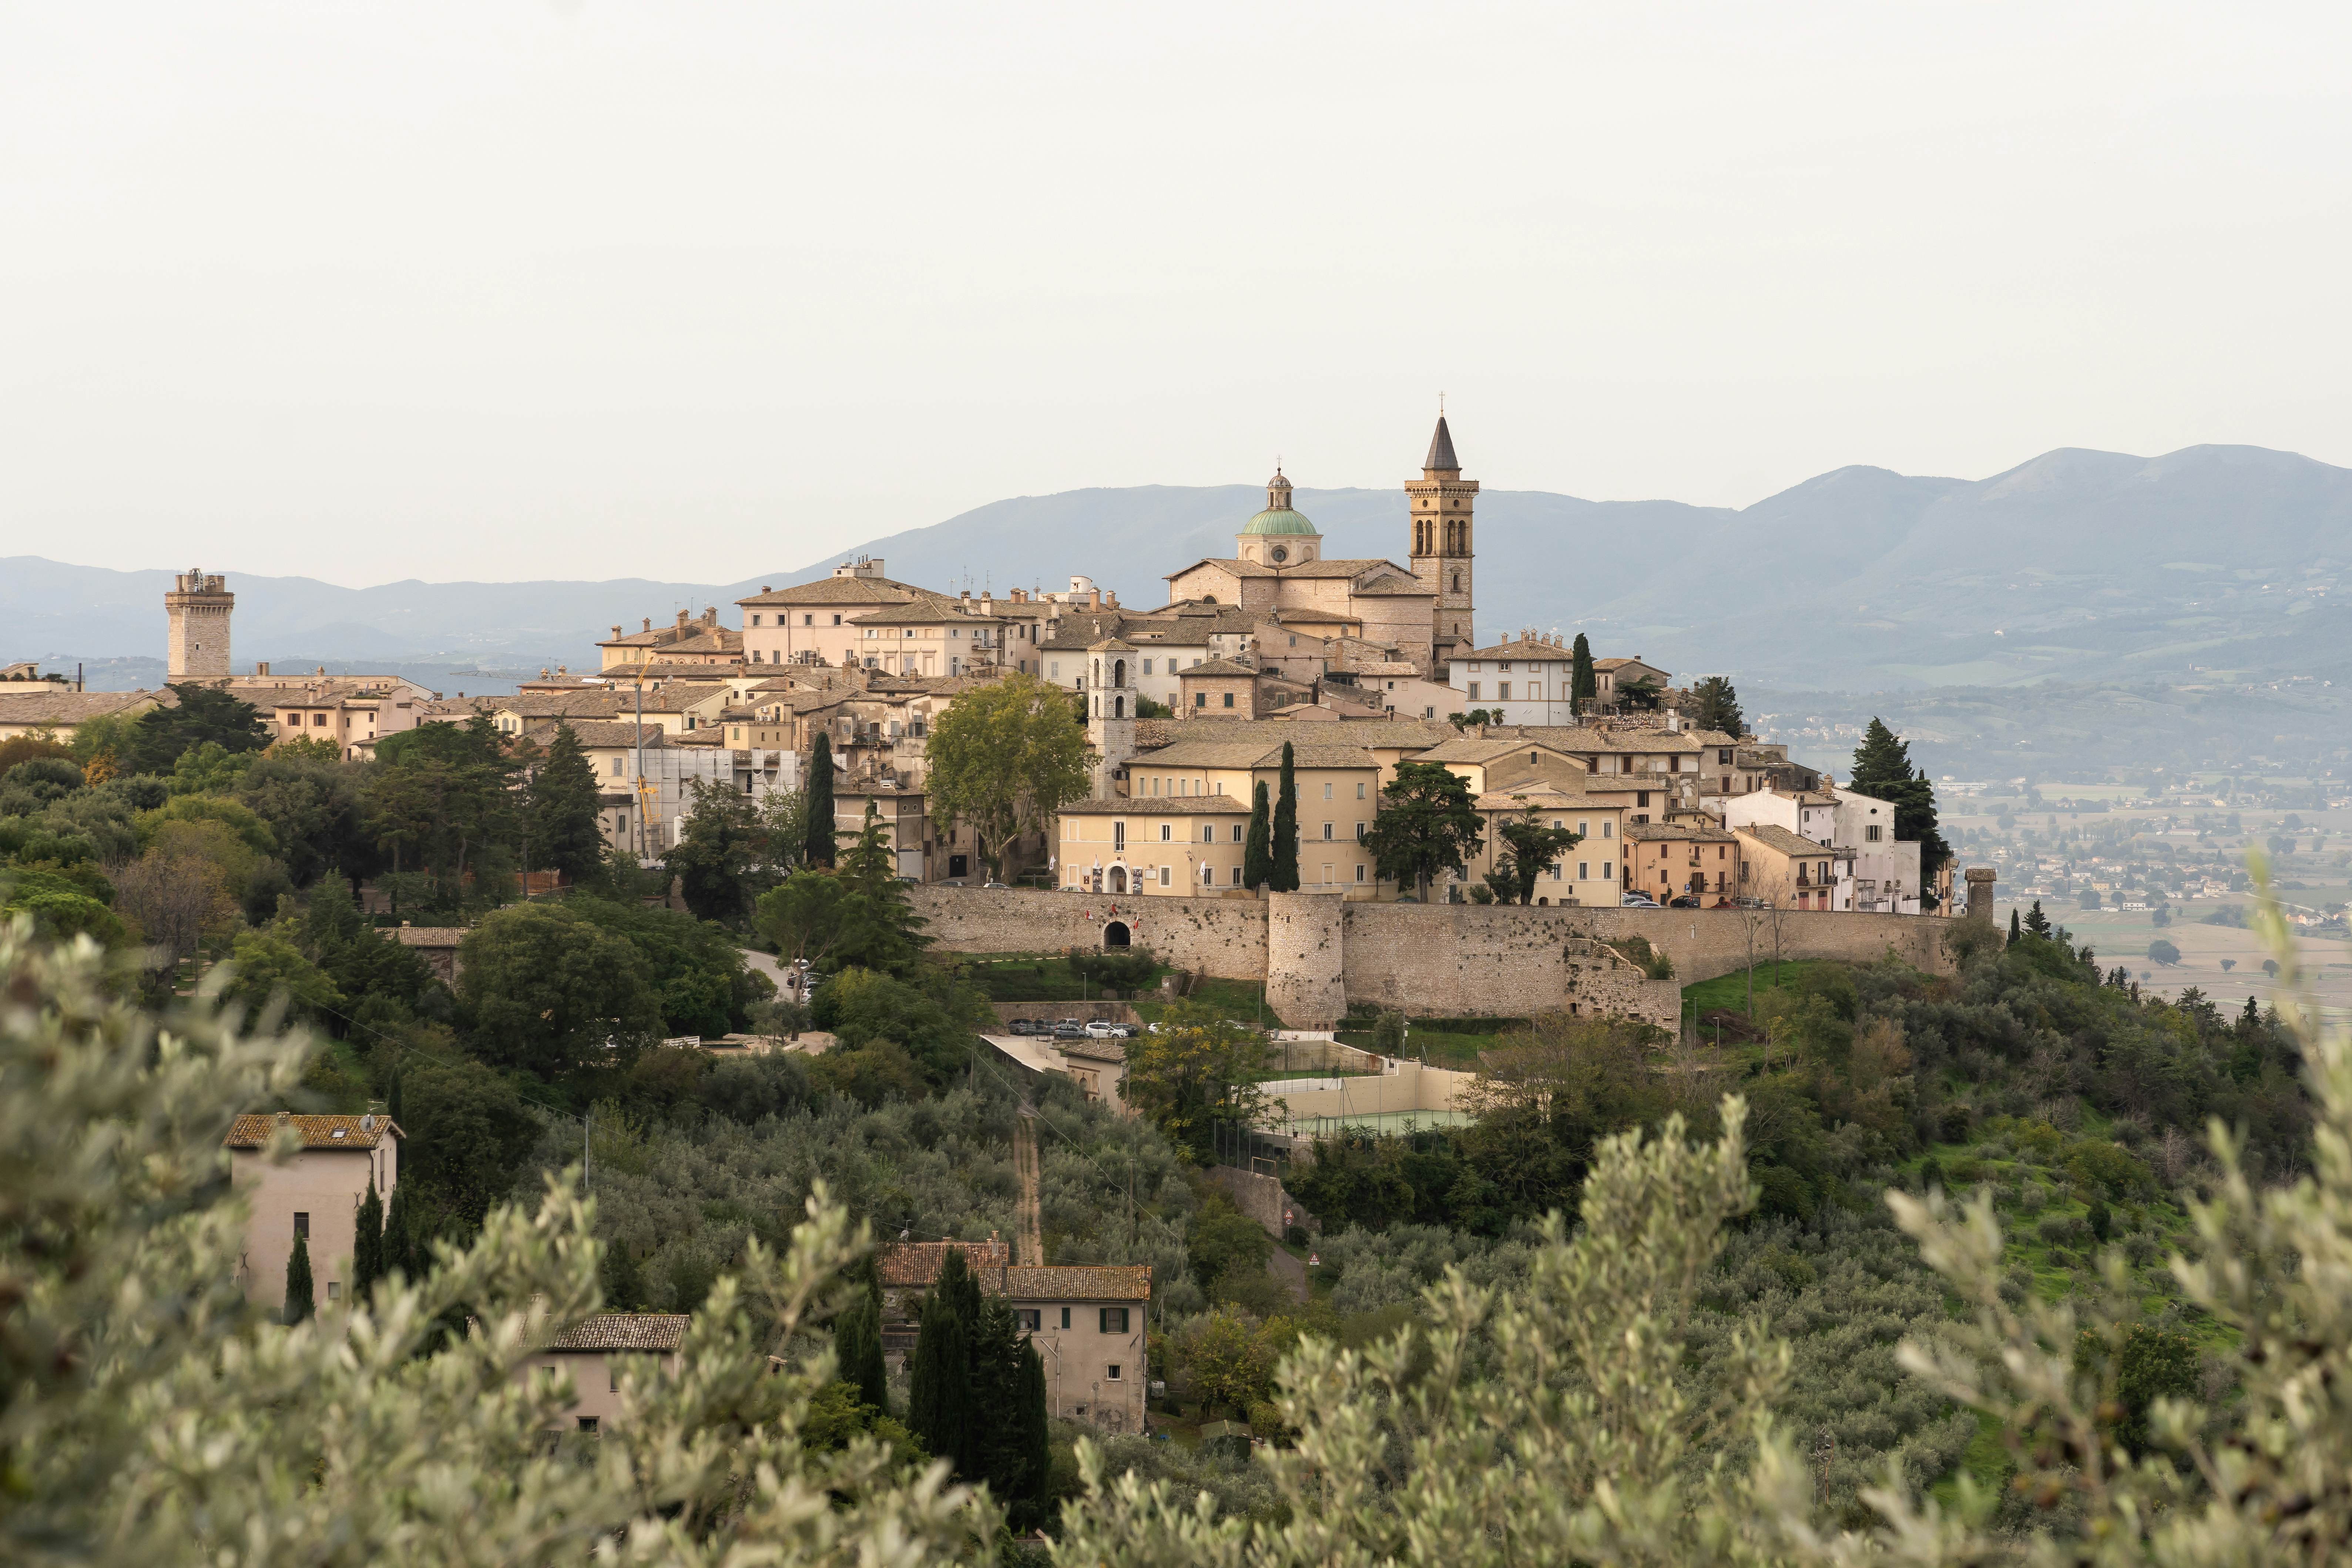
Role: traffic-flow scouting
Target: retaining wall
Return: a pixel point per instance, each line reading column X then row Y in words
column 1429, row 960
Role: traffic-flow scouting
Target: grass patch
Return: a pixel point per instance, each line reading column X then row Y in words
column 1443, row 1048
column 1729, row 991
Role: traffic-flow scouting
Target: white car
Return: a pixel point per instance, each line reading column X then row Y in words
column 1098, row 1030
column 1638, row 901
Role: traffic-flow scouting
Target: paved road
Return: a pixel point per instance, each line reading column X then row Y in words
column 765, row 964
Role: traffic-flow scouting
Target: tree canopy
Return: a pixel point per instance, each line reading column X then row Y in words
column 1883, row 769
column 1003, row 759
column 1427, row 823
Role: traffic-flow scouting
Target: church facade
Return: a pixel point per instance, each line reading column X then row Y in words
column 1423, row 610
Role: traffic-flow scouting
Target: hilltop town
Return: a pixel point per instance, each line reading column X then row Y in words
column 1351, row 667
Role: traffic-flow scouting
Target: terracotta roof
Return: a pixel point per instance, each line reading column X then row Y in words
column 594, row 701
column 1162, row 805
column 1074, row 1282
column 918, row 1262
column 591, row 733
column 923, row 612
column 1219, row 667
column 622, row 1331
column 1487, row 749
column 1772, row 836
column 255, row 1129
column 68, row 706
column 844, row 591
column 1542, row 797
column 1676, row 832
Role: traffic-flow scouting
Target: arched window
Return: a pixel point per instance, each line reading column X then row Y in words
column 1118, row 707
column 1119, row 672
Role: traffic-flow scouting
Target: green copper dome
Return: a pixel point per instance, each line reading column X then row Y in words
column 1279, row 517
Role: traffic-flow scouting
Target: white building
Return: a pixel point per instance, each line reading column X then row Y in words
column 1885, row 869
column 1527, row 679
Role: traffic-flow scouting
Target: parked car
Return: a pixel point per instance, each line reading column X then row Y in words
column 1638, row 901
column 1002, row 887
column 1069, row 1029
column 1684, row 902
column 952, row 882
column 1023, row 1026
column 1100, row 1030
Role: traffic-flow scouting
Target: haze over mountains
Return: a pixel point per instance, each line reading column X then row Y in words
column 2212, row 562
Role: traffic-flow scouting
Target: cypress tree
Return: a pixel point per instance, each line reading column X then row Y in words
column 2036, row 922
column 820, row 840
column 395, row 1251
column 1034, row 1442
column 302, row 1302
column 2012, row 925
column 857, row 1351
column 1581, row 685
column 996, row 1388
column 1257, row 856
column 564, row 822
column 367, row 1246
column 938, row 1394
column 1285, row 845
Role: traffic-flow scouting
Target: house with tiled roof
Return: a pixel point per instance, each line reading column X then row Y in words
column 1590, row 873
column 1087, row 1321
column 40, row 709
column 1787, row 871
column 817, row 623
column 314, row 1192
column 1690, row 855
column 689, row 641
column 602, row 1351
column 929, row 637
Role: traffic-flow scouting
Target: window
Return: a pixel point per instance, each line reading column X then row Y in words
column 318, row 719
column 1608, row 870
column 1474, row 687
column 1360, row 789
column 1066, row 1317
column 613, row 1370
column 1208, row 833
column 334, row 1290
column 1114, row 1320
column 1607, row 830
column 588, row 1425
column 1200, row 699
column 1167, row 830
column 836, row 620
column 1584, row 871
column 1641, row 797
column 1535, row 690
column 808, row 620
column 1504, row 665
column 1327, row 792
column 1237, row 833
column 1110, row 1372
column 1054, row 669
column 1360, row 870
column 755, row 620
column 1229, row 699
column 1870, row 833
column 1164, row 876
column 1029, row 1318
column 301, row 1223
column 1208, row 876
column 1147, row 666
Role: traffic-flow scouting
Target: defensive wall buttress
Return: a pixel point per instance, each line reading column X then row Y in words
column 1318, row 954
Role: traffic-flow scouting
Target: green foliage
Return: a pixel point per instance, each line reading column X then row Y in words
column 1282, row 837
column 367, row 1246
column 1257, row 851
column 301, row 1296
column 1715, row 706
column 878, row 928
column 271, row 970
column 1115, row 971
column 700, row 983
column 717, row 858
column 1223, row 1241
column 1198, row 1071
column 1883, row 769
column 823, row 835
column 440, row 798
column 199, row 715
column 563, row 810
column 857, row 1351
column 1427, row 823
column 61, row 905
column 1003, row 759
column 210, row 768
column 469, row 1136
column 1532, row 848
column 939, row 1409
column 1583, row 685
column 24, row 748
column 1388, row 1033
column 2162, row 951
column 546, row 987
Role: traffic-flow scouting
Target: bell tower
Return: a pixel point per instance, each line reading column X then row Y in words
column 1111, row 697
column 1442, row 502
column 197, row 610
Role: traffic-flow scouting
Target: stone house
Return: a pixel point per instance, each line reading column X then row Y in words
column 1780, row 868
column 1588, row 874
column 1220, row 687
column 697, row 640
column 437, row 945
column 929, row 637
column 596, row 1351
column 1087, row 1321
column 58, row 714
column 1690, row 856
column 817, row 623
column 315, row 1195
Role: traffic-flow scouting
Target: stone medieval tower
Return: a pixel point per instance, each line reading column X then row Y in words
column 1111, row 696
column 1441, row 501
column 198, row 609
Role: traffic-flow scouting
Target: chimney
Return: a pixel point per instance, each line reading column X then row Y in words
column 765, row 589
column 710, row 615
column 648, row 621
column 1113, row 600
column 616, row 633
column 1094, row 598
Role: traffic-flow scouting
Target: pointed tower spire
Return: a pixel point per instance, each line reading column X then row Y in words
column 1441, row 458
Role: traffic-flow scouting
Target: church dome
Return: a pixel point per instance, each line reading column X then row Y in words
column 1279, row 516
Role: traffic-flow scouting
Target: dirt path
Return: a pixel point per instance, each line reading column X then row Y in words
column 1290, row 1271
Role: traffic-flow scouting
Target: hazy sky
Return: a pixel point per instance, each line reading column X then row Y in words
column 589, row 290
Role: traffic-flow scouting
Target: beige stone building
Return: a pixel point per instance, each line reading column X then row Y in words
column 1087, row 1321
column 1588, row 874
column 817, row 623
column 353, row 712
column 58, row 714
column 1279, row 567
column 197, row 611
column 1786, row 871
column 597, row 1351
column 929, row 637
column 315, row 1195
column 1691, row 856
column 698, row 641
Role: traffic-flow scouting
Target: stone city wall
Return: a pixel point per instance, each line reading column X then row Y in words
column 1429, row 960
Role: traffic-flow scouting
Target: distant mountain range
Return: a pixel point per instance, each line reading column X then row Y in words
column 2209, row 564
